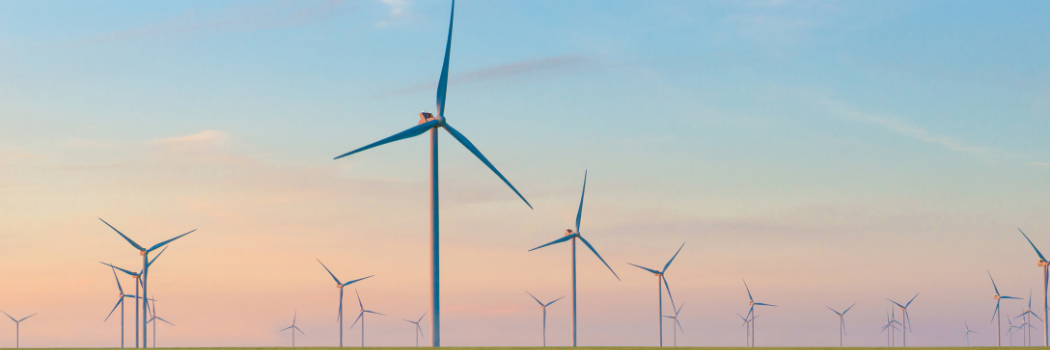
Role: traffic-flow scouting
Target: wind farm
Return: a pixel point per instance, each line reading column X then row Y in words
column 838, row 156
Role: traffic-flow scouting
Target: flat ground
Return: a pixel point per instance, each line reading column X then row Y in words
column 583, row 347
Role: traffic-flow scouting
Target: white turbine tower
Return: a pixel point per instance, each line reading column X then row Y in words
column 18, row 327
column 418, row 330
column 906, row 325
column 967, row 334
column 361, row 317
column 676, row 323
column 293, row 328
column 996, row 315
column 842, row 321
column 544, row 308
column 751, row 302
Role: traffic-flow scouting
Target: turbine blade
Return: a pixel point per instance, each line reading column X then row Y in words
column 121, row 300
column 534, row 298
column 117, row 279
column 909, row 303
column 588, row 244
column 358, row 319
column 161, row 244
column 579, row 212
column 847, row 309
column 1036, row 317
column 833, row 310
column 668, row 291
column 672, row 258
column 357, row 280
column 1032, row 244
column 155, row 257
column 340, row 314
column 26, row 318
column 420, row 329
column 679, row 325
column 748, row 291
column 645, row 268
column 410, row 132
column 285, row 329
column 359, row 303
column 898, row 304
column 421, row 317
column 443, row 82
column 137, row 246
column 993, row 283
column 165, row 321
column 300, row 330
column 549, row 304
column 330, row 272
column 466, row 143
column 373, row 312
column 764, row 304
column 559, row 240
column 996, row 312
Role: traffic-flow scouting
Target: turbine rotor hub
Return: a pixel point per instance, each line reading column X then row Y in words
column 425, row 117
column 1043, row 263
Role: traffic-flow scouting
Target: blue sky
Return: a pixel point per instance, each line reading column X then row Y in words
column 776, row 138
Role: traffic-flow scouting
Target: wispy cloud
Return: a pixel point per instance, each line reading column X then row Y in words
column 262, row 16
column 896, row 125
column 501, row 72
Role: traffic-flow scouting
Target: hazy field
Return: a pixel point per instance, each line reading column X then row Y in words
column 563, row 348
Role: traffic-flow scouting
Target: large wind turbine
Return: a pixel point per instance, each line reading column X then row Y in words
column 751, row 302
column 1046, row 279
column 569, row 235
column 996, row 315
column 431, row 122
column 120, row 303
column 906, row 325
column 145, row 267
column 138, row 283
column 544, row 308
column 842, row 321
column 154, row 319
column 361, row 317
column 293, row 328
column 676, row 323
column 967, row 334
column 661, row 282
column 340, row 285
column 18, row 329
column 418, row 330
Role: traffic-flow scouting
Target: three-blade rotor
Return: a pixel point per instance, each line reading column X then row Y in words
column 579, row 214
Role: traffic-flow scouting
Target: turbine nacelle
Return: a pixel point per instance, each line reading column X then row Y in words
column 1042, row 263
column 425, row 117
column 568, row 232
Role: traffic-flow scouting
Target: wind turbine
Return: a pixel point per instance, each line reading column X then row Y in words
column 660, row 283
column 293, row 328
column 154, row 319
column 888, row 328
column 747, row 322
column 906, row 326
column 18, row 330
column 431, row 122
column 569, row 235
column 676, row 323
column 751, row 302
column 842, row 321
column 1046, row 279
column 419, row 330
column 1009, row 332
column 138, row 283
column 120, row 303
column 1028, row 314
column 145, row 267
column 544, row 307
column 340, row 285
column 996, row 315
column 361, row 317
column 967, row 334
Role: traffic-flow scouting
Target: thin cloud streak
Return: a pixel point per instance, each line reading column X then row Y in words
column 501, row 72
column 273, row 15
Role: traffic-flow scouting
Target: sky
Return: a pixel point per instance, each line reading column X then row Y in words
column 828, row 153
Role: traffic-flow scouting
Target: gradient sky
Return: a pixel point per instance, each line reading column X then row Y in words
column 829, row 152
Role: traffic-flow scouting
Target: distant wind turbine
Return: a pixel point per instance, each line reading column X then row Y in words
column 1028, row 314
column 751, row 302
column 996, row 315
column 747, row 322
column 430, row 122
column 569, row 235
column 138, row 283
column 1009, row 332
column 967, row 334
column 544, row 308
column 888, row 328
column 145, row 267
column 361, row 317
column 120, row 303
column 842, row 321
column 1046, row 282
column 154, row 319
column 340, row 285
column 661, row 282
column 906, row 326
column 418, row 330
column 18, row 329
column 293, row 328
column 676, row 323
